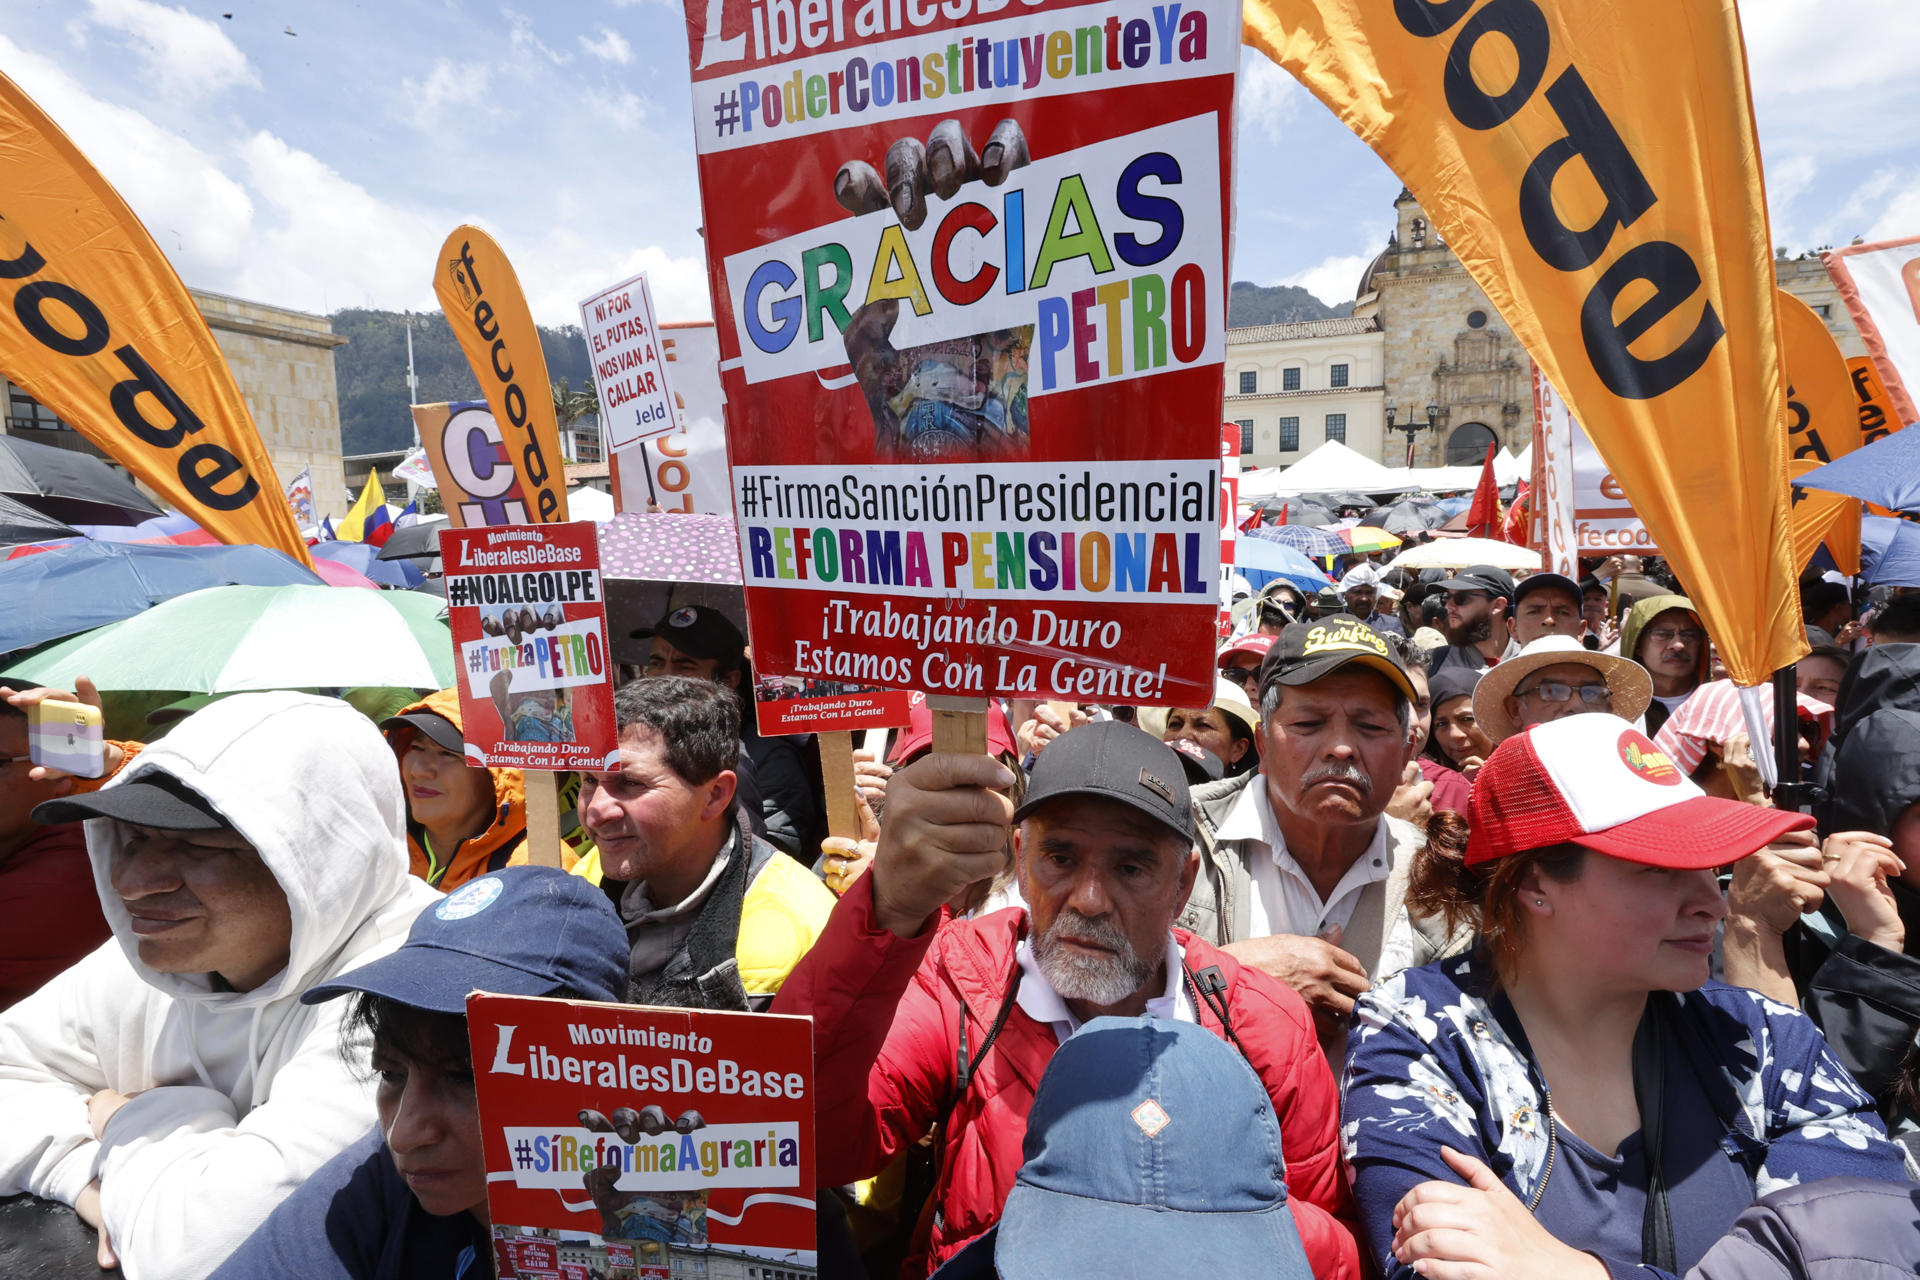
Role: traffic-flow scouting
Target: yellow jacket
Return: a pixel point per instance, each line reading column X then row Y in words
column 785, row 908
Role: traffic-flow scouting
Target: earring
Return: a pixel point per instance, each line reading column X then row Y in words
column 1539, row 902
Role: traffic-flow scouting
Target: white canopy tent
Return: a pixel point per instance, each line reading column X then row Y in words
column 1332, row 467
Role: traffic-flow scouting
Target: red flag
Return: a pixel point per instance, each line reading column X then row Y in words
column 1518, row 516
column 1483, row 517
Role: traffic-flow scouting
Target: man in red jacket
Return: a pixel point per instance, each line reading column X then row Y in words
column 915, row 1023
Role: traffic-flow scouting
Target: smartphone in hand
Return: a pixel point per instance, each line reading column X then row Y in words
column 69, row 736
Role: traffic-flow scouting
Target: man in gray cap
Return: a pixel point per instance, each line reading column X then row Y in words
column 918, row 1025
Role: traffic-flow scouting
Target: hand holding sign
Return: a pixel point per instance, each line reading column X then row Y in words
column 947, row 162
column 946, row 828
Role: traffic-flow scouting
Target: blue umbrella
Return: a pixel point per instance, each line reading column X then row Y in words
column 1886, row 472
column 76, row 588
column 364, row 558
column 1303, row 538
column 1889, row 552
column 1275, row 558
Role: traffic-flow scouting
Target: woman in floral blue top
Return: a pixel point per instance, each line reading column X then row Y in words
column 1574, row 1099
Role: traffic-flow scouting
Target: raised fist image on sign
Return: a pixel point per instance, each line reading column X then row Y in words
column 957, row 399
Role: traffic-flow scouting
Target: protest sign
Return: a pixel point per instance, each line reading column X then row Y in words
column 629, row 366
column 1823, row 423
column 477, row 481
column 1229, row 523
column 795, row 704
column 488, row 314
column 1594, row 169
column 1880, row 284
column 1555, row 531
column 530, row 641
column 96, row 326
column 973, row 404
column 647, row 1137
column 685, row 471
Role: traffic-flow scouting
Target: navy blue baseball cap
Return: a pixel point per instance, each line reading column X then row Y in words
column 521, row 931
column 1150, row 1143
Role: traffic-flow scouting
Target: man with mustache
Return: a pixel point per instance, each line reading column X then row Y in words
column 920, row 1022
column 1304, row 876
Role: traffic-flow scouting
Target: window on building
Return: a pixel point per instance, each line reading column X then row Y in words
column 1337, row 423
column 1249, row 382
column 1337, row 375
column 1476, row 319
column 24, row 413
column 1290, row 379
column 1826, row 310
column 1289, row 435
column 1246, row 435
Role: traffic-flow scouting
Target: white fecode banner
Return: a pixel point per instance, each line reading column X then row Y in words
column 629, row 368
column 1603, row 520
column 1553, row 491
column 720, row 1155
column 1880, row 284
column 685, row 471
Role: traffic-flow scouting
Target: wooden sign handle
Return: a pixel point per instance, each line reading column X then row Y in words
column 543, row 818
column 959, row 724
column 836, row 774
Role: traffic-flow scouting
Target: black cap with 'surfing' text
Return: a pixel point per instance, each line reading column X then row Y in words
column 1112, row 760
column 1310, row 651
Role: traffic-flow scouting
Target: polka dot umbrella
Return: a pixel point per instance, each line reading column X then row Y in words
column 671, row 548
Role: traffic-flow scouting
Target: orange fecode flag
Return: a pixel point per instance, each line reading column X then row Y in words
column 483, row 302
column 97, row 326
column 1594, row 168
column 1823, row 423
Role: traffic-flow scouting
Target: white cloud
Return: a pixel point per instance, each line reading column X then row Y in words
column 527, row 45
column 197, row 214
column 610, row 47
column 447, row 85
column 1268, row 96
column 1900, row 216
column 1838, row 46
column 566, row 266
column 186, row 56
column 1333, row 281
column 329, row 242
column 623, row 110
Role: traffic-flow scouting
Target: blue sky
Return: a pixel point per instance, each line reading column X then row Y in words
column 314, row 154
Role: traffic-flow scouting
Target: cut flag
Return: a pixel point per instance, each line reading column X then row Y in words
column 1483, row 517
column 355, row 525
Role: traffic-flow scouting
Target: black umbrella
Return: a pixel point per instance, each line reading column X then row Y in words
column 75, row 487
column 20, row 523
column 1409, row 515
column 1298, row 509
column 415, row 542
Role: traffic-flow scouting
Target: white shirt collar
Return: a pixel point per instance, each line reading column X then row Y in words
column 1039, row 1001
column 1251, row 819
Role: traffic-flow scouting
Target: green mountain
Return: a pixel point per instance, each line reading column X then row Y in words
column 372, row 371
column 1250, row 304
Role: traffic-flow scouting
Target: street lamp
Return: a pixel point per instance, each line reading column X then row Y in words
column 1436, row 418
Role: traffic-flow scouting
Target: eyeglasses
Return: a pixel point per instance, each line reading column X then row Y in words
column 1554, row 691
column 1667, row 635
column 7, row 760
column 1239, row 675
column 1467, row 597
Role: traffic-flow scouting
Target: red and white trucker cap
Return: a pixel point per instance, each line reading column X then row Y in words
column 1597, row 781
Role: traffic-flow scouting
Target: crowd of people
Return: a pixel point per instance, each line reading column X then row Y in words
column 1455, row 937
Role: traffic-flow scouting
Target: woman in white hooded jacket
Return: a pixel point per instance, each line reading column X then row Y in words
column 231, row 1097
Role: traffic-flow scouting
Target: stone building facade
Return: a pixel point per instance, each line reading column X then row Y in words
column 1445, row 346
column 1293, row 387
column 283, row 363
